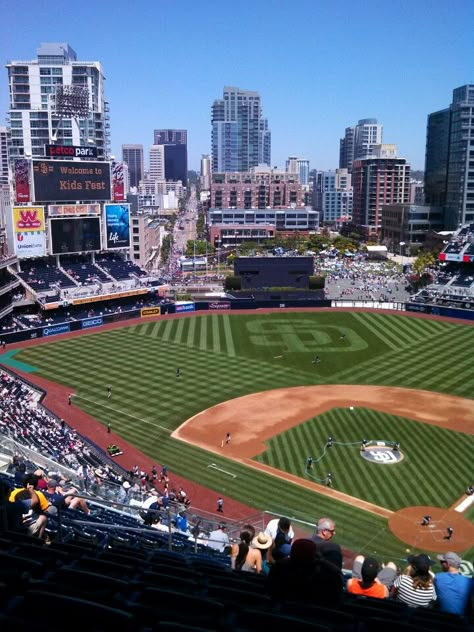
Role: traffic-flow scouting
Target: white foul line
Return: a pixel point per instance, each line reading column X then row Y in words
column 120, row 412
column 214, row 467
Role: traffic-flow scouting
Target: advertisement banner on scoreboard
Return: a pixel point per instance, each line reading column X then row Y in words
column 22, row 180
column 117, row 225
column 118, row 182
column 61, row 210
column 69, row 151
column 29, row 231
column 68, row 181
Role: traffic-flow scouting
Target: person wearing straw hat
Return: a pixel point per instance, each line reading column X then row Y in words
column 262, row 541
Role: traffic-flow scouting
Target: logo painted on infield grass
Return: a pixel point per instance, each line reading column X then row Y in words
column 381, row 455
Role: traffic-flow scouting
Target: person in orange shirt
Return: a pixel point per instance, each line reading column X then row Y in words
column 369, row 585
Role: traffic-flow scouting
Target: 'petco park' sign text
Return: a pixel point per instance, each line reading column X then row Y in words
column 69, row 151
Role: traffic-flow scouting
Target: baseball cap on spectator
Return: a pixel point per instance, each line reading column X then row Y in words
column 420, row 563
column 126, row 485
column 52, row 483
column 450, row 558
column 369, row 570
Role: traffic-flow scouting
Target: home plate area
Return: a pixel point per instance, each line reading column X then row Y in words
column 407, row 525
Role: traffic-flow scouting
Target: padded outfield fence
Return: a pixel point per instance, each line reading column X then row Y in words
column 219, row 306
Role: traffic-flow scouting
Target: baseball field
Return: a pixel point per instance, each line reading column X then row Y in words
column 384, row 378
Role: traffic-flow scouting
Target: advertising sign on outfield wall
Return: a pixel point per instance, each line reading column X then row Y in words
column 219, row 305
column 184, row 307
column 92, row 322
column 150, row 311
column 56, row 329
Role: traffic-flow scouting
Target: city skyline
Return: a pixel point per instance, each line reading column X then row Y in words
column 318, row 67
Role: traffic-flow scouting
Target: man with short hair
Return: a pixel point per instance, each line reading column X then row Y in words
column 330, row 551
column 218, row 539
column 452, row 588
column 282, row 524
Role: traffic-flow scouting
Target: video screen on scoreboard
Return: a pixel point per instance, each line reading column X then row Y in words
column 75, row 234
column 69, row 181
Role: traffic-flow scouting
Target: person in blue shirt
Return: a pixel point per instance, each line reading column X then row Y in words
column 452, row 588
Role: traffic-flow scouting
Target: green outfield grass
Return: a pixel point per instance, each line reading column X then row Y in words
column 225, row 356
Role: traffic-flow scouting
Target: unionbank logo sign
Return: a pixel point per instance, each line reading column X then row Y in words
column 28, row 218
column 92, row 322
column 29, row 228
column 57, row 329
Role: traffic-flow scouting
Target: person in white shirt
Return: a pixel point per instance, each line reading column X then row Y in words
column 218, row 539
column 272, row 528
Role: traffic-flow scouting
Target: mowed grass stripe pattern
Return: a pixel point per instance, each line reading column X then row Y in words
column 220, row 358
column 393, row 486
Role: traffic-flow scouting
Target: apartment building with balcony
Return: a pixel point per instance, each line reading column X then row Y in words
column 378, row 180
column 32, row 83
column 259, row 188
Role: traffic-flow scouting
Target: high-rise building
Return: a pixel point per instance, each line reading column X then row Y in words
column 359, row 141
column 460, row 181
column 132, row 155
column 378, row 180
column 176, row 152
column 205, row 172
column 170, row 137
column 157, row 163
column 176, row 163
column 299, row 166
column 332, row 196
column 32, row 121
column 240, row 135
column 449, row 164
column 5, row 140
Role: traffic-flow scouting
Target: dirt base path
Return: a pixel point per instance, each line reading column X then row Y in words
column 406, row 525
column 250, row 424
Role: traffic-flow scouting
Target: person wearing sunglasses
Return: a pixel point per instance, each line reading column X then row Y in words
column 330, row 551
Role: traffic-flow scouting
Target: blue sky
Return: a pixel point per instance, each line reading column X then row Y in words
column 319, row 65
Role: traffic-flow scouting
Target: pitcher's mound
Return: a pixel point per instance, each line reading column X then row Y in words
column 406, row 525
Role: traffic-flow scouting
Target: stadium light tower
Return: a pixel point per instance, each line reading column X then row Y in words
column 69, row 102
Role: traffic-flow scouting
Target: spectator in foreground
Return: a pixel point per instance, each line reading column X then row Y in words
column 385, row 575
column 282, row 534
column 11, row 514
column 244, row 558
column 415, row 587
column 330, row 551
column 368, row 584
column 305, row 576
column 218, row 539
column 452, row 589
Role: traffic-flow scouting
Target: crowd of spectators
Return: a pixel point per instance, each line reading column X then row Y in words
column 361, row 280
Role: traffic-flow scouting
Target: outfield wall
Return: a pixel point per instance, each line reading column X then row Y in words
column 224, row 305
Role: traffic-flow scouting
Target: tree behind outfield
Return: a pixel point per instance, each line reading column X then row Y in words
column 199, row 247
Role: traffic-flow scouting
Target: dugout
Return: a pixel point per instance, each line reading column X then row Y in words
column 260, row 272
